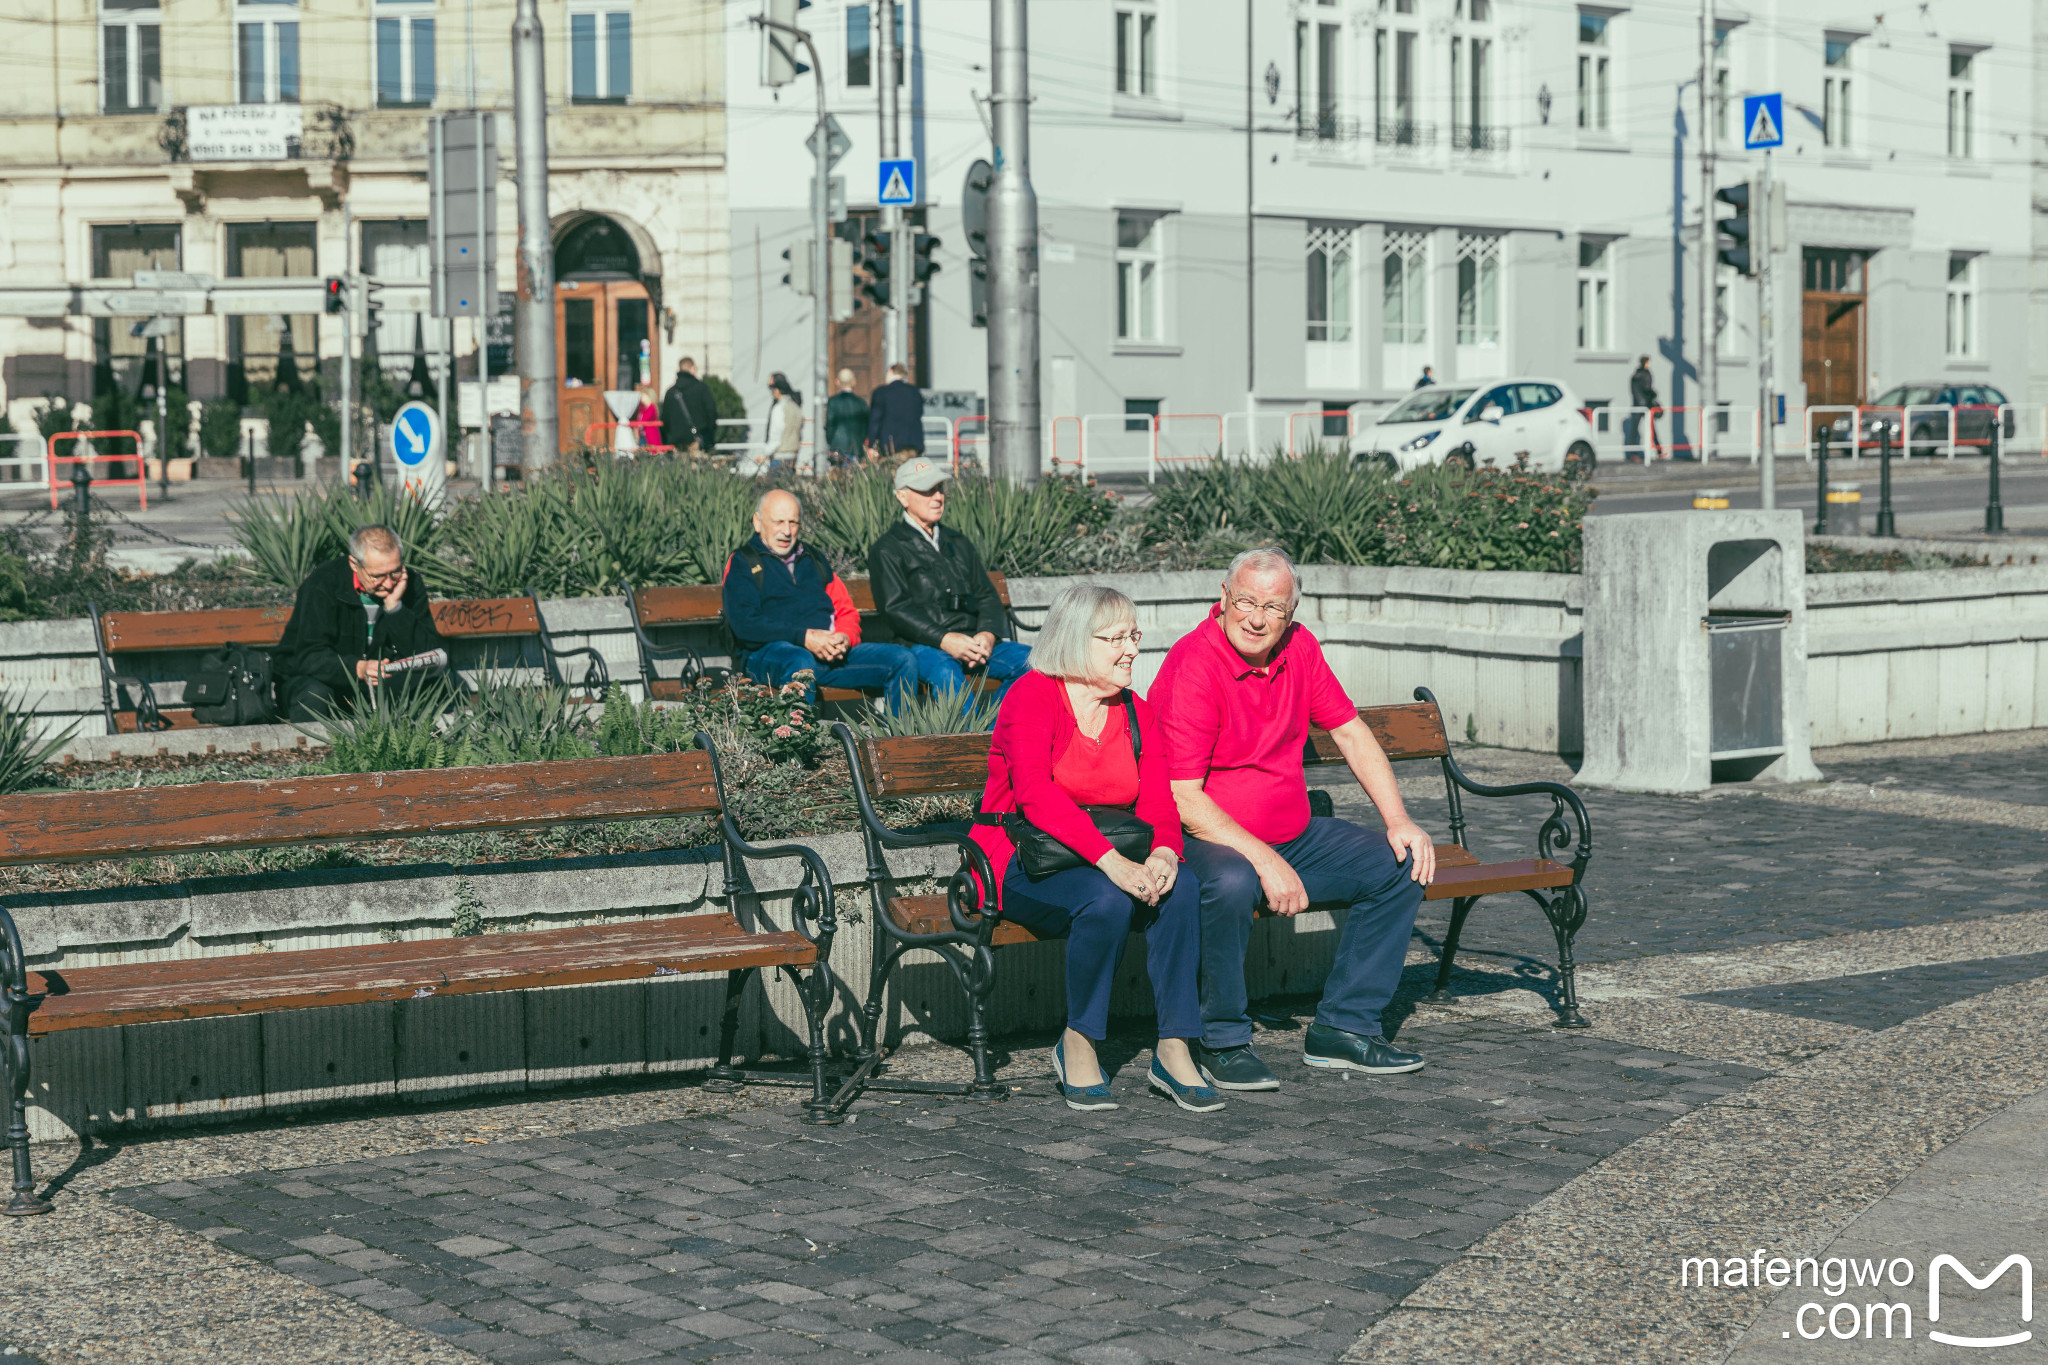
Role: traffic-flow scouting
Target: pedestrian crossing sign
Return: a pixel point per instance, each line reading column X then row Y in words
column 897, row 183
column 1763, row 121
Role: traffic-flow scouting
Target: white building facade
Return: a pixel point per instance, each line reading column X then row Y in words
column 1255, row 205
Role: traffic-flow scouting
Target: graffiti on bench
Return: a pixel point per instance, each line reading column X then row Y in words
column 486, row 616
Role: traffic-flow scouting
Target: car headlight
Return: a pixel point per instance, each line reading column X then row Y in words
column 1841, row 426
column 1420, row 441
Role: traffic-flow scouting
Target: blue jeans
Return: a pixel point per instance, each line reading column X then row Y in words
column 865, row 665
column 1084, row 907
column 941, row 672
column 1337, row 861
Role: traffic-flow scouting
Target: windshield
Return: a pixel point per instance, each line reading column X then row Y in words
column 1432, row 404
column 1908, row 395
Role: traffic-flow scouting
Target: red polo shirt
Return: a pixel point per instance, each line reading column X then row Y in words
column 1242, row 728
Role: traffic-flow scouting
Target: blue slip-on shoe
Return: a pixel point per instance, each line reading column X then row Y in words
column 1234, row 1068
column 1086, row 1098
column 1333, row 1048
column 1196, row 1099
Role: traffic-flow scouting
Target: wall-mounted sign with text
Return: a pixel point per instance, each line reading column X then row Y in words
column 244, row 132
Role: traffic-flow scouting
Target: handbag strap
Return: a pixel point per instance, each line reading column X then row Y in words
column 1131, row 725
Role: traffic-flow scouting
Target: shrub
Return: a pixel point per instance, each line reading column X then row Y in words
column 515, row 723
column 53, row 415
column 962, row 712
column 288, row 411
column 287, row 537
column 726, row 398
column 625, row 730
column 21, row 757
column 392, row 730
column 220, row 429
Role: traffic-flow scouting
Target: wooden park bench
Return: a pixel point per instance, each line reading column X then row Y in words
column 131, row 705
column 957, row 927
column 138, row 823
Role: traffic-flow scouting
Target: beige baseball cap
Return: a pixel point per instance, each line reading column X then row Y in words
column 920, row 475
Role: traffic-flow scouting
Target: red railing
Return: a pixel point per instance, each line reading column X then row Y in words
column 140, row 482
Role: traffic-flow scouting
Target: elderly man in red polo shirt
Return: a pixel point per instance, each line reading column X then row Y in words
column 1234, row 699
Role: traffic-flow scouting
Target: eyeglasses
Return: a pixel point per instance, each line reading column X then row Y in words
column 1245, row 606
column 1129, row 639
column 369, row 577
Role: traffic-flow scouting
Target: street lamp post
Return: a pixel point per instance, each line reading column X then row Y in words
column 1013, row 421
column 540, row 429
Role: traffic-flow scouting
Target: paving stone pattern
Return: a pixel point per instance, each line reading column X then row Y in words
column 2019, row 776
column 1879, row 1000
column 933, row 1230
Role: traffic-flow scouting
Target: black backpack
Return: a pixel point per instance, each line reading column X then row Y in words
column 232, row 687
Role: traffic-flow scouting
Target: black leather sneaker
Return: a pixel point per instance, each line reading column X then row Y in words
column 1336, row 1049
column 1235, row 1068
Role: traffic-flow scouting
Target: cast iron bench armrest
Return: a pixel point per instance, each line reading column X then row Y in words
column 811, row 900
column 1556, row 836
column 597, row 677
column 978, row 922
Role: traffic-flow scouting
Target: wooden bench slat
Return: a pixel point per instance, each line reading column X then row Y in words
column 1485, row 879
column 925, row 765
column 70, row 826
column 253, row 983
column 702, row 605
column 1409, row 730
column 137, row 630
column 468, row 618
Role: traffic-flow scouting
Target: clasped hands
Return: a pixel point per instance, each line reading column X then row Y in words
column 827, row 646
column 972, row 651
column 1150, row 881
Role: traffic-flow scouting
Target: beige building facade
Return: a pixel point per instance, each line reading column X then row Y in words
column 246, row 139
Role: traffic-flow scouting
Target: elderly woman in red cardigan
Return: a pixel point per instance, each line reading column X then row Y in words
column 1064, row 740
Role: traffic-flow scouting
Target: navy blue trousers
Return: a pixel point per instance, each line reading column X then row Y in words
column 1084, row 907
column 866, row 665
column 1339, row 862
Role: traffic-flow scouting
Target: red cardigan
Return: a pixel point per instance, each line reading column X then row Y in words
column 1032, row 730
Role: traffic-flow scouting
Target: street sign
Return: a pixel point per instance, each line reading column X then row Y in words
column 462, row 214
column 837, row 143
column 897, row 182
column 1763, row 121
column 416, row 445
column 154, row 327
column 173, row 280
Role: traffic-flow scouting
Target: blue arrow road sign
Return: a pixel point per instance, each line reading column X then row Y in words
column 414, row 436
column 897, row 182
column 1763, row 121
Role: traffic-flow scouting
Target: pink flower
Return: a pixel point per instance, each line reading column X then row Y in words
column 783, row 732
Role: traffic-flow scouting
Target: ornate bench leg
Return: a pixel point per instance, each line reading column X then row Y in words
column 725, row 1076
column 15, row 1068
column 1567, row 912
column 980, row 981
column 1460, row 908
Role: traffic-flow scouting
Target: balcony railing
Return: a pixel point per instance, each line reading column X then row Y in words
column 1479, row 138
column 1403, row 132
column 1384, row 132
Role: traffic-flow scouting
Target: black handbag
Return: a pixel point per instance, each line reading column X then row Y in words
column 1041, row 855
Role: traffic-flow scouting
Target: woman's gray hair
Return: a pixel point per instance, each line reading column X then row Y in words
column 1077, row 615
column 1265, row 559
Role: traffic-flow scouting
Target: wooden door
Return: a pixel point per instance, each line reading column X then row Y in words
column 604, row 339
column 1831, row 348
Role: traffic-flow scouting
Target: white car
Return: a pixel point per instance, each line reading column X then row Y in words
column 1475, row 425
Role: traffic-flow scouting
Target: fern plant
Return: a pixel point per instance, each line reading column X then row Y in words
column 394, row 729
column 22, row 756
column 626, row 730
column 513, row 723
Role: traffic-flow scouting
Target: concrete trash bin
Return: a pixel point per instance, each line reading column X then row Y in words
column 1745, row 680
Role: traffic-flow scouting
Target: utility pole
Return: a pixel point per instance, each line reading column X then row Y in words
column 1709, row 306
column 540, row 430
column 1766, row 343
column 896, row 326
column 781, row 68
column 1013, row 423
column 347, row 453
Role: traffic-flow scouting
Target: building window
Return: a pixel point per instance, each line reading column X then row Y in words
column 860, row 28
column 267, row 352
column 1836, row 108
column 1137, row 51
column 131, row 57
column 121, row 360
column 266, row 51
column 1331, row 250
column 1596, row 295
column 1139, row 266
column 1404, row 289
column 405, row 54
column 1394, row 81
column 1962, row 306
column 1962, row 103
column 1140, row 413
column 1478, row 289
column 600, row 56
column 1595, row 72
column 1319, row 81
column 1472, row 125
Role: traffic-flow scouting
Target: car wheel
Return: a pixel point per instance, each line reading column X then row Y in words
column 1461, row 458
column 1580, row 461
column 1387, row 465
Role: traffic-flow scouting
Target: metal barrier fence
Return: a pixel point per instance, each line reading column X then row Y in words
column 93, row 456
column 970, row 447
column 30, row 450
column 626, row 438
column 2023, row 429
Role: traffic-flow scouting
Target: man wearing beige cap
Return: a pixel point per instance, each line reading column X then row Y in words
column 933, row 590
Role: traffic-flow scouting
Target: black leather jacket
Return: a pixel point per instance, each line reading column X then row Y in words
column 923, row 594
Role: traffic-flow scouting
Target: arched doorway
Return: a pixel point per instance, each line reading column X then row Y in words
column 605, row 337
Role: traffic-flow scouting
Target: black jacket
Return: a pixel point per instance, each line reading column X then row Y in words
column 1642, row 389
column 896, row 417
column 689, row 414
column 777, row 603
column 923, row 593
column 329, row 631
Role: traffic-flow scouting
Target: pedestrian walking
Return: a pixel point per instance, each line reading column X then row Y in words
column 1428, row 378
column 846, row 422
column 896, row 416
column 689, row 414
column 645, row 428
column 785, row 434
column 1642, row 396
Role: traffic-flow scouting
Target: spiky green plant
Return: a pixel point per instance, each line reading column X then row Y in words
column 500, row 544
column 22, row 754
column 962, row 712
column 1022, row 531
column 286, row 536
column 509, row 722
column 846, row 511
column 393, row 729
column 626, row 729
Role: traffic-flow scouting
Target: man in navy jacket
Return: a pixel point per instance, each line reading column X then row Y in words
column 788, row 611
column 896, row 416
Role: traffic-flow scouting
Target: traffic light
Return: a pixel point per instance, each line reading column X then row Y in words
column 922, row 265
column 779, row 64
column 1732, row 235
column 876, row 286
column 337, row 299
column 798, row 277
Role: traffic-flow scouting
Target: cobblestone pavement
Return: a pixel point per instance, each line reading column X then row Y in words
column 1793, row 1004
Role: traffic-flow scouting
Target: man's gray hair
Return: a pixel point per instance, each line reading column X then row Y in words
column 1077, row 615
column 374, row 537
column 761, row 503
column 1266, row 559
